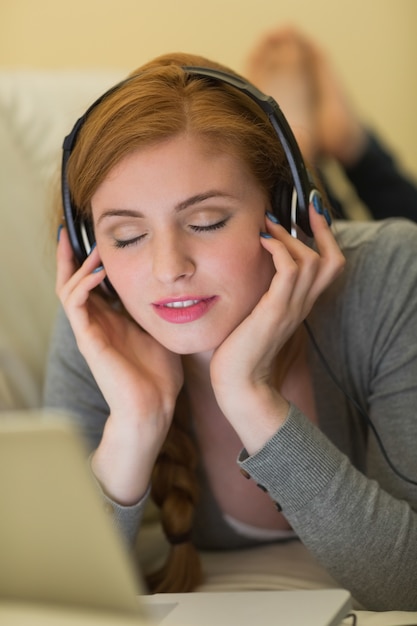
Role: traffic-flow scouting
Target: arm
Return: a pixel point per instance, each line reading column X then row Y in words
column 70, row 387
column 139, row 380
column 362, row 528
column 362, row 535
column 379, row 182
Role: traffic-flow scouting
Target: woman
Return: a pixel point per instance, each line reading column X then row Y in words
column 204, row 356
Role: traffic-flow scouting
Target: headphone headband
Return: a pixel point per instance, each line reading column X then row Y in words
column 296, row 199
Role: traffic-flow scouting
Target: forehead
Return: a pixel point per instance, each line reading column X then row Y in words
column 168, row 171
column 186, row 151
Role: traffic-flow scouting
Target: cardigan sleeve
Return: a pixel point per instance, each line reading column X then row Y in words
column 361, row 524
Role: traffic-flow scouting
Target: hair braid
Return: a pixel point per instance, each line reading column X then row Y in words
column 175, row 492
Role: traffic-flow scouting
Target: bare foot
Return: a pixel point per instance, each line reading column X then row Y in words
column 288, row 66
column 339, row 131
column 280, row 67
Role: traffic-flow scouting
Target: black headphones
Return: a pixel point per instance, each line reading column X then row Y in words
column 290, row 202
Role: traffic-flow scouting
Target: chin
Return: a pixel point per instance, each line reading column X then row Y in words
column 195, row 344
column 187, row 348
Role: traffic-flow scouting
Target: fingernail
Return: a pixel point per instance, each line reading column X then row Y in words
column 58, row 234
column 272, row 217
column 265, row 235
column 98, row 269
column 316, row 200
column 327, row 217
column 92, row 248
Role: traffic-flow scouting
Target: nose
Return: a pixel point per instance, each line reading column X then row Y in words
column 171, row 258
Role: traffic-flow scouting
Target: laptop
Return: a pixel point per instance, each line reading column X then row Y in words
column 62, row 562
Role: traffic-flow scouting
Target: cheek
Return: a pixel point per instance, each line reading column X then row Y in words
column 248, row 263
column 255, row 254
column 260, row 271
column 120, row 272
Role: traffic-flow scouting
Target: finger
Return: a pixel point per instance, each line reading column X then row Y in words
column 315, row 268
column 71, row 280
column 65, row 259
column 325, row 242
column 78, row 290
column 306, row 259
column 276, row 302
column 332, row 260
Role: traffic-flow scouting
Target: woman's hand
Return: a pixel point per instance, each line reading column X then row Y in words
column 139, row 378
column 241, row 365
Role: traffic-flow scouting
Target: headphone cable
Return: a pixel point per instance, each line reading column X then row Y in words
column 361, row 411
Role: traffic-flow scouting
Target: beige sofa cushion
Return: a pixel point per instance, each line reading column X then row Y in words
column 37, row 109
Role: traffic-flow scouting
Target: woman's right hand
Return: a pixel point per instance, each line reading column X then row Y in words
column 139, row 379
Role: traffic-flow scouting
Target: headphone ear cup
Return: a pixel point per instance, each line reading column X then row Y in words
column 89, row 236
column 281, row 203
column 283, row 197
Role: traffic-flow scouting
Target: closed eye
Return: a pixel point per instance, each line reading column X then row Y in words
column 124, row 243
column 202, row 229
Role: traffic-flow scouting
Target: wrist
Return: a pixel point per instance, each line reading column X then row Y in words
column 257, row 416
column 123, row 463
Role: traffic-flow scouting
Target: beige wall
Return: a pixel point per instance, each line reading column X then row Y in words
column 373, row 43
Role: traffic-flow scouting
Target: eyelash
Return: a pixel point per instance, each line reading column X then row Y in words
column 216, row 226
column 120, row 244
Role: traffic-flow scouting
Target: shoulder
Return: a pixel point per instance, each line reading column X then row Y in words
column 379, row 251
column 63, row 346
column 355, row 235
column 379, row 282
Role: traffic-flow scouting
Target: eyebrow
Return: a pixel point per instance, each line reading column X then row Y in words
column 181, row 206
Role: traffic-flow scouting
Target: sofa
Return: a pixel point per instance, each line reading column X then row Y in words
column 37, row 109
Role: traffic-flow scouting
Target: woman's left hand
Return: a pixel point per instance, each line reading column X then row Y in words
column 241, row 365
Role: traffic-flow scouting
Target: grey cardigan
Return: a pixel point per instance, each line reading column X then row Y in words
column 333, row 484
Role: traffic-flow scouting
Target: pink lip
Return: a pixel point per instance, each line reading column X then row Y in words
column 184, row 314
